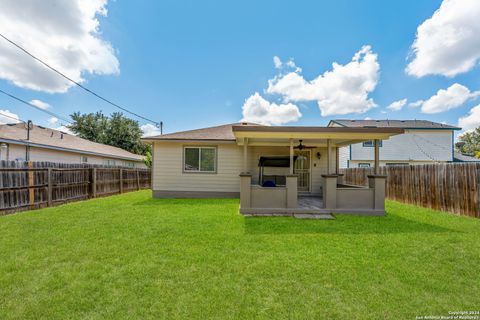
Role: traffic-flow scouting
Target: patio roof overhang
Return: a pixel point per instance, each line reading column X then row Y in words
column 317, row 136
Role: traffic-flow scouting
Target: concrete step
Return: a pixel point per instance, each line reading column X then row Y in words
column 324, row 216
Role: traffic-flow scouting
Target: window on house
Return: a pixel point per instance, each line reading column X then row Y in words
column 364, row 165
column 84, row 159
column 392, row 164
column 371, row 143
column 199, row 159
column 129, row 164
column 109, row 162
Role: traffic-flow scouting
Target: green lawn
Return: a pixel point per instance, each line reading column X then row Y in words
column 131, row 256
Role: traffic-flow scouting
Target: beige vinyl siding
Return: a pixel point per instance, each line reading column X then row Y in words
column 16, row 151
column 169, row 176
column 168, row 168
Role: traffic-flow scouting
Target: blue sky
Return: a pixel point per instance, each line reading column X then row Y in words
column 193, row 64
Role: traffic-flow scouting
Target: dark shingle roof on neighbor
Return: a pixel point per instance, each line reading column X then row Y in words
column 54, row 139
column 460, row 157
column 405, row 124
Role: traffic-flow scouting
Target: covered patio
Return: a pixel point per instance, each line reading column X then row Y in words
column 309, row 182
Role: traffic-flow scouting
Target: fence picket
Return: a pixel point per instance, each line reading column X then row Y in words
column 450, row 187
column 25, row 185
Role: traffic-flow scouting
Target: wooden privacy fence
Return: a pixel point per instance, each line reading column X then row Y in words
column 30, row 185
column 450, row 187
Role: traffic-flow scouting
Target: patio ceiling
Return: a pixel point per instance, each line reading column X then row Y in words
column 312, row 136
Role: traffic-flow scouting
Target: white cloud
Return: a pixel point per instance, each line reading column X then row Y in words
column 8, row 117
column 64, row 129
column 289, row 65
column 258, row 110
column 63, row 33
column 40, row 104
column 53, row 120
column 416, row 104
column 149, row 130
column 448, row 43
column 397, row 105
column 340, row 91
column 470, row 121
column 277, row 62
column 446, row 99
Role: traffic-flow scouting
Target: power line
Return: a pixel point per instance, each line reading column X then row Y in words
column 34, row 106
column 8, row 116
column 79, row 85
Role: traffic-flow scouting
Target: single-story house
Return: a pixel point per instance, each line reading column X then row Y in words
column 17, row 143
column 423, row 142
column 273, row 169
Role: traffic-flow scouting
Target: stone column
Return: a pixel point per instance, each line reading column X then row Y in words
column 377, row 183
column 245, row 190
column 330, row 191
column 292, row 192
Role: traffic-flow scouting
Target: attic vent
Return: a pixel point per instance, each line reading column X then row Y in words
column 244, row 123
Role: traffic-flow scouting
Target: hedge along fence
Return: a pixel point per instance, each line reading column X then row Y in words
column 450, row 187
column 31, row 185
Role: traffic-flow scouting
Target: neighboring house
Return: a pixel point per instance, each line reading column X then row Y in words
column 269, row 167
column 423, row 142
column 44, row 144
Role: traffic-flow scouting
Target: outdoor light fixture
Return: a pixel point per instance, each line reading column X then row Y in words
column 319, row 155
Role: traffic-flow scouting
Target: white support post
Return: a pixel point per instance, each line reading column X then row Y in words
column 245, row 155
column 377, row 156
column 330, row 153
column 291, row 156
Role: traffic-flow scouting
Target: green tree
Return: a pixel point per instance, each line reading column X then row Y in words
column 116, row 130
column 469, row 143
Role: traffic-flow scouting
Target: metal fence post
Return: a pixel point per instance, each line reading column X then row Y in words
column 31, row 180
column 138, row 179
column 94, row 182
column 121, row 180
column 50, row 187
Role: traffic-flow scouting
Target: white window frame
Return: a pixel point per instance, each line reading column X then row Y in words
column 371, row 144
column 364, row 165
column 82, row 158
column 199, row 159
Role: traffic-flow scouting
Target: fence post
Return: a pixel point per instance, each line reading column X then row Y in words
column 31, row 190
column 94, row 182
column 50, row 187
column 138, row 179
column 121, row 180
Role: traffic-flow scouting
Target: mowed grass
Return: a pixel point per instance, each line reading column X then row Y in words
column 133, row 257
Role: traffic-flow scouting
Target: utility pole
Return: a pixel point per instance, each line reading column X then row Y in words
column 161, row 127
column 27, row 147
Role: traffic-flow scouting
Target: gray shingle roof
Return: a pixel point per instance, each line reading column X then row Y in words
column 217, row 133
column 460, row 157
column 405, row 124
column 56, row 139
